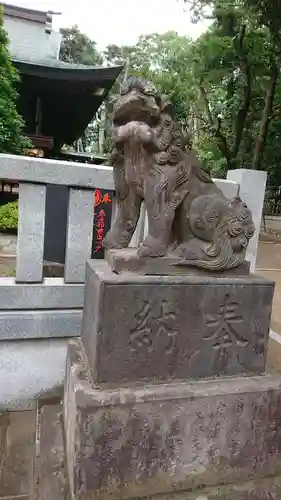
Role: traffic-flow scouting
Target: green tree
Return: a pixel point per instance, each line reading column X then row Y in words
column 272, row 151
column 237, row 71
column 12, row 139
column 165, row 60
column 78, row 48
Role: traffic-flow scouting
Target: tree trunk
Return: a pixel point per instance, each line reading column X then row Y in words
column 243, row 111
column 216, row 125
column 265, row 118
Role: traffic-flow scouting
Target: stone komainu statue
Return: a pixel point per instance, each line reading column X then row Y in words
column 188, row 215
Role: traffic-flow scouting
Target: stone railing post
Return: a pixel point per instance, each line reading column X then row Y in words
column 30, row 245
column 79, row 234
column 252, row 190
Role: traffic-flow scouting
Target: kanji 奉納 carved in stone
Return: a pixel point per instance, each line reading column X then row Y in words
column 188, row 215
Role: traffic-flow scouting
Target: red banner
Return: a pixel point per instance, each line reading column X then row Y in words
column 102, row 220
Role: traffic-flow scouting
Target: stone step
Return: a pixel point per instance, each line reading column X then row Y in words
column 49, row 476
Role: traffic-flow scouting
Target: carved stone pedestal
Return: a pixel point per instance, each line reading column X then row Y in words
column 127, row 261
column 166, row 394
column 210, row 439
column 152, row 328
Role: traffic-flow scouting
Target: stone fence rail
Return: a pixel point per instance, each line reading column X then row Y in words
column 38, row 315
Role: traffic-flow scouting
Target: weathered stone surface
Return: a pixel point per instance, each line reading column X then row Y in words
column 51, row 464
column 156, row 439
column 162, row 328
column 54, row 485
column 127, row 260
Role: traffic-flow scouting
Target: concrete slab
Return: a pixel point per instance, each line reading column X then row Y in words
column 30, row 370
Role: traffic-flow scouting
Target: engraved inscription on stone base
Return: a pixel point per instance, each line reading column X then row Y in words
column 167, row 438
column 152, row 328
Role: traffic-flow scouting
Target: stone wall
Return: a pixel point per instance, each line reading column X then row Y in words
column 29, row 41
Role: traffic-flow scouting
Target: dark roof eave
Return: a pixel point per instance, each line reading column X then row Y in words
column 65, row 71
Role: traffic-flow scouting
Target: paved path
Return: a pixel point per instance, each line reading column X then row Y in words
column 17, row 448
column 269, row 266
column 269, row 255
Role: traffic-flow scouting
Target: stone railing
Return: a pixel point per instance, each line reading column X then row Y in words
column 34, row 308
column 48, row 307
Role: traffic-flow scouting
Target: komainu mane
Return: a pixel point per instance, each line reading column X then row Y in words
column 188, row 215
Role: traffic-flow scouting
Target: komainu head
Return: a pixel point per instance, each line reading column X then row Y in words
column 138, row 101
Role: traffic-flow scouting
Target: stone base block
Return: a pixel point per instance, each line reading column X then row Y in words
column 267, row 489
column 168, row 438
column 157, row 328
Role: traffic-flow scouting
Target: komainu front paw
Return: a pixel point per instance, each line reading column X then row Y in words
column 152, row 247
column 113, row 240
